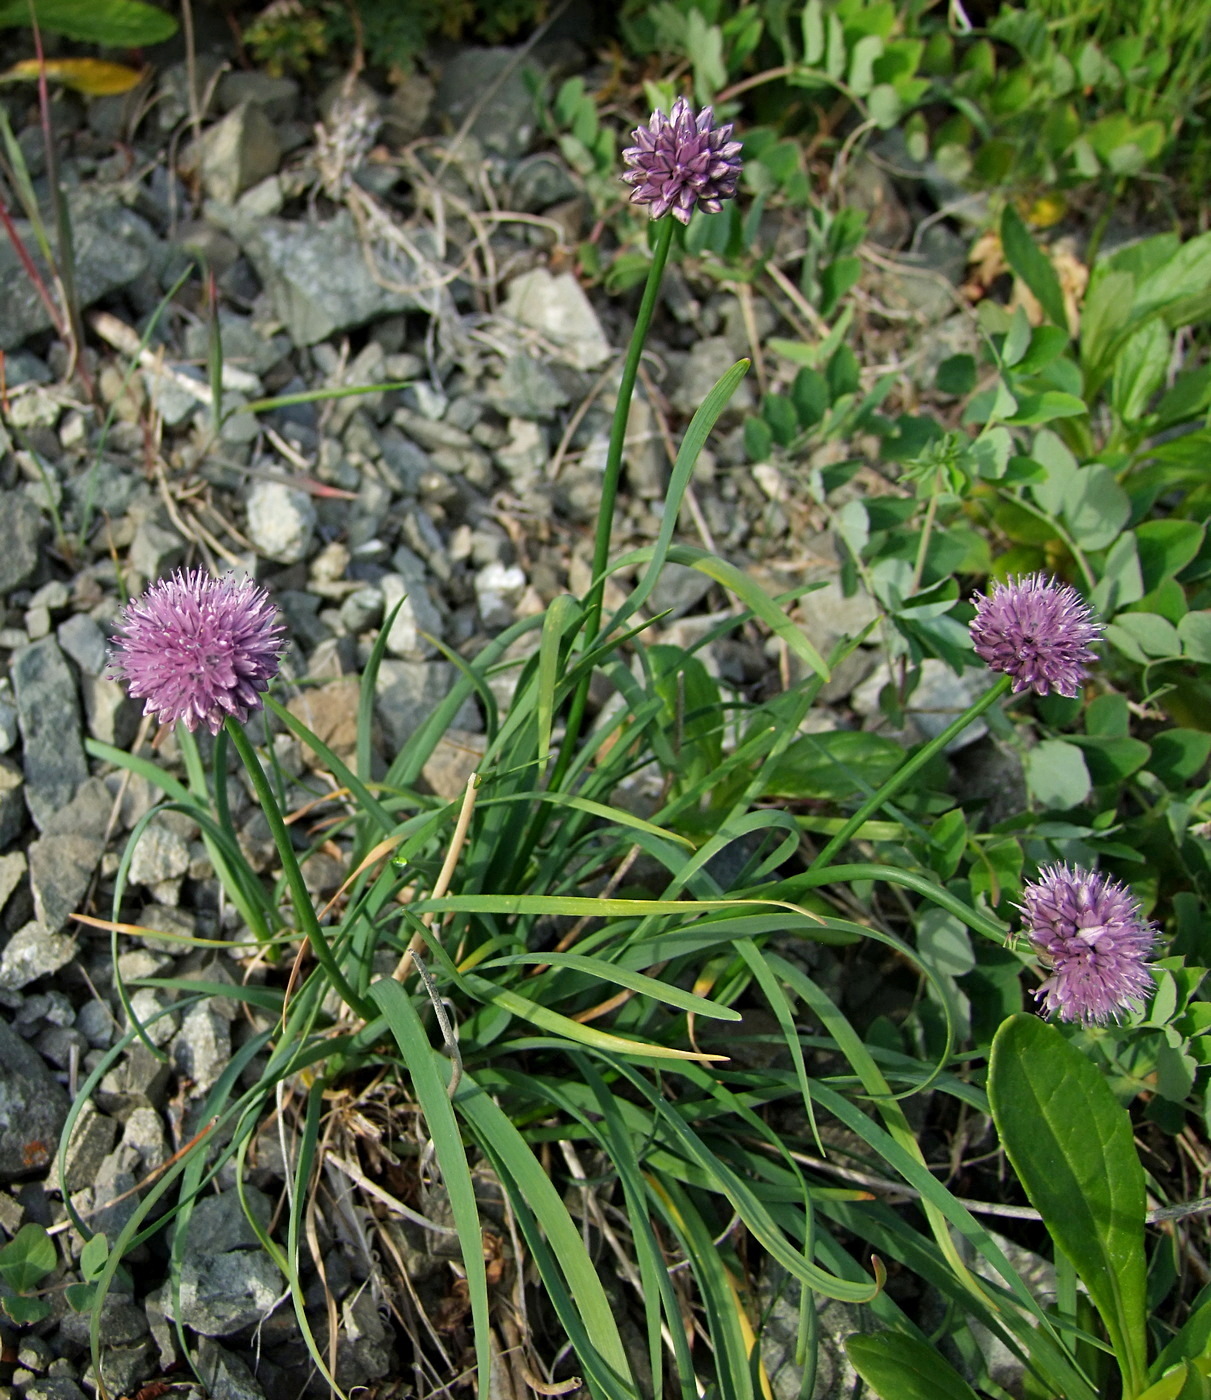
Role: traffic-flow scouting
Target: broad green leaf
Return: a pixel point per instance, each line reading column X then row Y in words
column 1122, row 579
column 1195, row 632
column 900, row 1367
column 27, row 1258
column 1111, row 759
column 1188, row 268
column 1105, row 313
column 1178, row 754
column 834, row 765
column 1193, row 1341
column 118, row 24
column 1139, row 370
column 1032, row 266
column 26, row 1310
column 1153, row 634
column 1183, row 1382
column 1096, row 507
column 1045, row 407
column 93, row 1256
column 1166, row 547
column 1072, row 1148
column 1056, row 774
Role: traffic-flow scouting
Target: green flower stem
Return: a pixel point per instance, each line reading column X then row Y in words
column 609, row 486
column 299, row 893
column 901, row 776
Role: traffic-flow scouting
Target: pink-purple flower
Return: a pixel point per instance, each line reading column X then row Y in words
column 1089, row 931
column 198, row 649
column 1038, row 631
column 682, row 160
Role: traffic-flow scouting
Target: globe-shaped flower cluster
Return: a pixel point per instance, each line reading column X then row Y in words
column 198, row 648
column 680, row 161
column 1088, row 930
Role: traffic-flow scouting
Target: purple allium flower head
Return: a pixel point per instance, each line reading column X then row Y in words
column 198, row 648
column 1089, row 931
column 682, row 160
column 1038, row 631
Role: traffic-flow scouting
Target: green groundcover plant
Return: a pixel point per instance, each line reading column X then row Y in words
column 564, row 990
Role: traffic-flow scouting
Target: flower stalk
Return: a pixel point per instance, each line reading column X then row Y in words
column 908, row 770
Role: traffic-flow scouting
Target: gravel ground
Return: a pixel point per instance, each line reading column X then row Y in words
column 361, row 236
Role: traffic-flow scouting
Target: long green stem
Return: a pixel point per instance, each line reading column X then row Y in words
column 304, row 908
column 902, row 775
column 609, row 486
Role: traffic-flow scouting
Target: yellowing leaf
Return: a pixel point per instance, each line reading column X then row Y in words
column 94, row 77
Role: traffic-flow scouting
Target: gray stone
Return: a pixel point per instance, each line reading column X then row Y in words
column 828, row 615
column 498, row 589
column 95, row 1023
column 647, row 462
column 236, row 153
column 87, row 814
column 362, row 609
column 155, row 549
column 836, row 1379
column 455, row 757
column 91, row 1141
column 82, row 639
column 9, row 731
column 53, row 1388
column 161, row 854
column 201, row 1048
column 224, row 1293
column 280, row 521
column 709, row 360
column 33, row 1108
column 112, row 716
column 147, row 1004
column 12, row 801
column 33, row 952
column 525, row 454
column 558, row 309
column 527, row 388
column 416, row 615
column 540, row 181
column 677, row 591
column 22, row 524
column 49, row 716
column 224, row 1375
column 114, row 1200
column 218, row 1223
column 278, row 98
column 138, row 1081
column 926, row 282
column 12, row 869
column 940, row 697
column 60, row 869
column 144, row 1135
column 490, row 84
column 112, row 248
column 317, row 278
column 123, row 1369
column 406, row 694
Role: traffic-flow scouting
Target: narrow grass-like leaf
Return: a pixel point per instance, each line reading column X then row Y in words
column 562, row 617
column 1072, row 1148
column 608, row 972
column 433, row 1097
column 552, row 1021
column 725, row 1316
column 608, row 1367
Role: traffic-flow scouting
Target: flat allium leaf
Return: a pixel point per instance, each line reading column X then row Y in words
column 900, row 1367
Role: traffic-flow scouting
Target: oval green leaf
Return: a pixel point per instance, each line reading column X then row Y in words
column 1071, row 1146
column 899, row 1367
